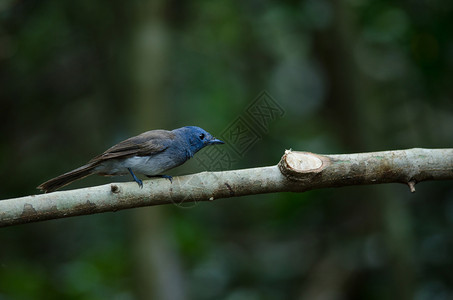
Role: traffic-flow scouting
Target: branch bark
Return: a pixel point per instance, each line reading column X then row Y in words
column 296, row 172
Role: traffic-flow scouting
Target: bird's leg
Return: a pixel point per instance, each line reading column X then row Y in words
column 139, row 182
column 161, row 176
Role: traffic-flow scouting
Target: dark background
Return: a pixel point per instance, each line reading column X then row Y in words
column 350, row 76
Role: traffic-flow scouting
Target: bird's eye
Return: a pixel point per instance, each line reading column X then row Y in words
column 201, row 136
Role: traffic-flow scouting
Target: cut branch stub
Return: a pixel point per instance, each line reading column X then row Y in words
column 302, row 166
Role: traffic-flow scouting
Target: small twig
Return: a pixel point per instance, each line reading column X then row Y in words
column 411, row 185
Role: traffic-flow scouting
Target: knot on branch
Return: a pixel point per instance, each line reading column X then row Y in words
column 302, row 166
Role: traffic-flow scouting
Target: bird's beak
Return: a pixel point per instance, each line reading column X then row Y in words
column 215, row 141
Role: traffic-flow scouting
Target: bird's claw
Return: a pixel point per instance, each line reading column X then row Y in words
column 168, row 177
column 139, row 182
column 162, row 176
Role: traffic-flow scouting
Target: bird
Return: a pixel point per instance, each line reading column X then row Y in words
column 151, row 154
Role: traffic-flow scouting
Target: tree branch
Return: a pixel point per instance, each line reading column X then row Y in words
column 296, row 172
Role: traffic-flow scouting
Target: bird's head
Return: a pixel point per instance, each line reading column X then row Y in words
column 197, row 137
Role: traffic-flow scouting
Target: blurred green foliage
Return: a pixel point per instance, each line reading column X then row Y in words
column 353, row 75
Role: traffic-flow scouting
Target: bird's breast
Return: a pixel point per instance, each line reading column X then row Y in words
column 147, row 165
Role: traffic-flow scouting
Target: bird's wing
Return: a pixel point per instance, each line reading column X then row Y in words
column 147, row 143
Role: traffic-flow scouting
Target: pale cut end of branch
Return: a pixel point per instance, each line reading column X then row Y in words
column 297, row 165
column 411, row 185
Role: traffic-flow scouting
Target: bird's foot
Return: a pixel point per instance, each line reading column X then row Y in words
column 167, row 177
column 139, row 182
column 162, row 176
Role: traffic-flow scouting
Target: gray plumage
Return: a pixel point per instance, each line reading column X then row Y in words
column 150, row 153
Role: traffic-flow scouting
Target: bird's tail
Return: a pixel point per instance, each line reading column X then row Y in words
column 66, row 178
